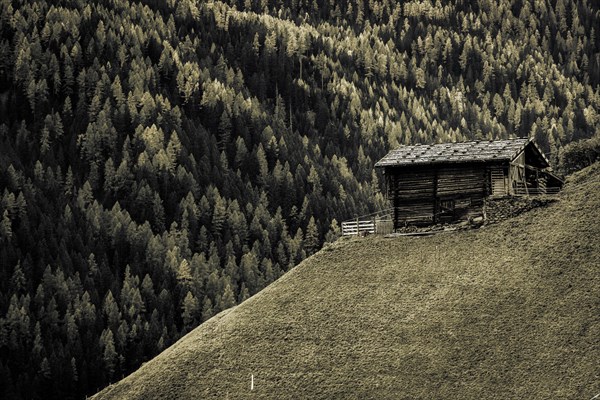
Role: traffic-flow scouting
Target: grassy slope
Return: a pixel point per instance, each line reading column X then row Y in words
column 508, row 311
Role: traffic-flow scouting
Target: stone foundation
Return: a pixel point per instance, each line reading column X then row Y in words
column 497, row 210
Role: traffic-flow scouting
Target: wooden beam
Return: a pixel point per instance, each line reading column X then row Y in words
column 435, row 196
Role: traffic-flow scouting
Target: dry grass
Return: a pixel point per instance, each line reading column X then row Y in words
column 511, row 311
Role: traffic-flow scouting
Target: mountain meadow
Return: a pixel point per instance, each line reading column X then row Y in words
column 509, row 311
column 164, row 161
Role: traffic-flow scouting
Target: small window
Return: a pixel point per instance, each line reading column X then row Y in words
column 447, row 206
column 446, row 210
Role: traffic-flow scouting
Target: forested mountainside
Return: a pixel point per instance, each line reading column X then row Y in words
column 162, row 161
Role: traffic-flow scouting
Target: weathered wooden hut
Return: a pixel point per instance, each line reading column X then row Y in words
column 450, row 181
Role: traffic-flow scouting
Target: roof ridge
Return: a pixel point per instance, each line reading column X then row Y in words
column 455, row 152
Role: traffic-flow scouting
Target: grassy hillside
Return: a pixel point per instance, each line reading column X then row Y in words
column 162, row 161
column 508, row 311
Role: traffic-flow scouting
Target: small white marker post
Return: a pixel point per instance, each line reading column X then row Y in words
column 252, row 382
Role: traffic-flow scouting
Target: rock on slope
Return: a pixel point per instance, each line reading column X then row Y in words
column 508, row 311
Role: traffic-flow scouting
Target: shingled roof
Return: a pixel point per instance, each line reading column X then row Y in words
column 477, row 151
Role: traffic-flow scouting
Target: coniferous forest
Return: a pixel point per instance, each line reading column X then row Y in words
column 161, row 161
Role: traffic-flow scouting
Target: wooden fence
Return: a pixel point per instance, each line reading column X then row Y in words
column 358, row 227
column 375, row 225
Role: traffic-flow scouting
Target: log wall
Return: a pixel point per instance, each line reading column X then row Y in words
column 430, row 194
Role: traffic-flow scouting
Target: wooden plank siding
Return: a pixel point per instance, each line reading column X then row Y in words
column 417, row 212
column 498, row 180
column 460, row 181
column 437, row 193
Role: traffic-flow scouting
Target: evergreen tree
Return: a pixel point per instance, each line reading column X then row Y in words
column 109, row 354
column 190, row 309
column 311, row 240
column 228, row 298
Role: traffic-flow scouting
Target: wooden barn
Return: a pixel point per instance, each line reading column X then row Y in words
column 446, row 182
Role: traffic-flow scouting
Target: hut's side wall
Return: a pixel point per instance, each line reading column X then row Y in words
column 412, row 194
column 434, row 194
column 461, row 181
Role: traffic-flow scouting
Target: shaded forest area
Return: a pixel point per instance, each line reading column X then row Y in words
column 162, row 161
